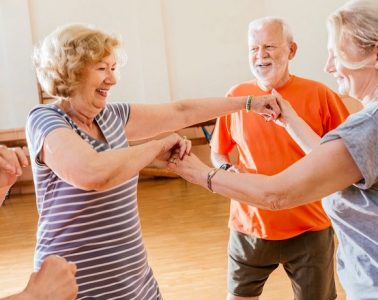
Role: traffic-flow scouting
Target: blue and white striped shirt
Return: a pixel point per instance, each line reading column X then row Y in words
column 99, row 231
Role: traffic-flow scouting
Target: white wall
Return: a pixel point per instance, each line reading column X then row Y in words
column 18, row 89
column 308, row 22
column 207, row 44
column 145, row 76
column 176, row 48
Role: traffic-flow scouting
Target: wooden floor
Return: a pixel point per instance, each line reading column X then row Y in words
column 185, row 231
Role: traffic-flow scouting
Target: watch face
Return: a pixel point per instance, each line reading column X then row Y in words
column 225, row 166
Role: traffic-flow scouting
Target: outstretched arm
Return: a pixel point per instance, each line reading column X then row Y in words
column 83, row 167
column 327, row 169
column 148, row 120
column 298, row 129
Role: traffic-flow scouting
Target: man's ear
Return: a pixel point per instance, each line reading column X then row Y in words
column 376, row 56
column 293, row 49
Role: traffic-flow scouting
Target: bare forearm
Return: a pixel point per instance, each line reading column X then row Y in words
column 302, row 134
column 116, row 166
column 249, row 188
column 102, row 170
column 198, row 110
column 327, row 169
column 179, row 114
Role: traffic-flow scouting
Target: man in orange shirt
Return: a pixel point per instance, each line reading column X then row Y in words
column 301, row 238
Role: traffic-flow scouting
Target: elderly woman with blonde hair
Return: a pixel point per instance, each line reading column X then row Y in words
column 86, row 173
column 344, row 165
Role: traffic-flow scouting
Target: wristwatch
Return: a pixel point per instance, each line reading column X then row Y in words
column 225, row 167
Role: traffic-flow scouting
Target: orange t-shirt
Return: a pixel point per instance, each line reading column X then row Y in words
column 266, row 148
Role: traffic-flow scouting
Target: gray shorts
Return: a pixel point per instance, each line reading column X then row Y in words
column 307, row 259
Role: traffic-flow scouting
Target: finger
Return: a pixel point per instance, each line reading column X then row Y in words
column 21, row 156
column 267, row 116
column 72, row 267
column 20, row 160
column 188, row 146
column 183, row 145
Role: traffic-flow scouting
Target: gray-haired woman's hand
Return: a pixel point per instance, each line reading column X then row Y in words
column 191, row 168
column 174, row 147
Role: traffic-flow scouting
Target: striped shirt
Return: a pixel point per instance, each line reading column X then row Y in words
column 99, row 231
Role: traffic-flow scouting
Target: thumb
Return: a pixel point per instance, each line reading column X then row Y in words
column 275, row 93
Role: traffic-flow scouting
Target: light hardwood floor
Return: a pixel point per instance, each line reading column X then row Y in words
column 185, row 232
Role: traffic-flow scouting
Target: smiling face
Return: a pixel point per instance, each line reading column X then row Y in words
column 269, row 55
column 96, row 82
column 353, row 81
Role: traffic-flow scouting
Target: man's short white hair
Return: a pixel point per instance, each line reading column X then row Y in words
column 258, row 23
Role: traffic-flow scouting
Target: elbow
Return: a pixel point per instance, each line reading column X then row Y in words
column 89, row 182
column 90, row 178
column 276, row 201
column 97, row 184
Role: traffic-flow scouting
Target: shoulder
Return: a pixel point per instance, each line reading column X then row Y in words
column 312, row 84
column 358, row 122
column 316, row 90
column 44, row 112
column 44, row 108
column 118, row 110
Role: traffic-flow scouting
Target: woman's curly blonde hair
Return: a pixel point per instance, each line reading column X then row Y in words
column 63, row 55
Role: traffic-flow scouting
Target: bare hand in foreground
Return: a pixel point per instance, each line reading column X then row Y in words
column 12, row 160
column 174, row 147
column 191, row 168
column 54, row 281
column 266, row 106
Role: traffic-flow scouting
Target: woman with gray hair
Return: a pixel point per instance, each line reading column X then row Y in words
column 344, row 165
column 85, row 173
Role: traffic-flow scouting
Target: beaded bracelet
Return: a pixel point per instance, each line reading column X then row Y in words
column 248, row 104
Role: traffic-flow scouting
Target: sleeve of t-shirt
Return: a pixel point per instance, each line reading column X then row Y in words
column 221, row 140
column 122, row 110
column 335, row 112
column 360, row 135
column 41, row 121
